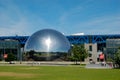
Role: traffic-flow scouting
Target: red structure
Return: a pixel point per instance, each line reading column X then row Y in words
column 101, row 57
column 5, row 56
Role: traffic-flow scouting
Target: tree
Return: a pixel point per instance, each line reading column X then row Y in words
column 78, row 53
column 11, row 57
column 117, row 58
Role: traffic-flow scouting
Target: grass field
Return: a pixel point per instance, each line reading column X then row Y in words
column 56, row 73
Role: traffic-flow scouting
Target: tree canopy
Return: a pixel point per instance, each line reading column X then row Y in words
column 11, row 57
column 78, row 53
column 117, row 58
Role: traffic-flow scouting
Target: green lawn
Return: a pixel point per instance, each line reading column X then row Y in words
column 56, row 73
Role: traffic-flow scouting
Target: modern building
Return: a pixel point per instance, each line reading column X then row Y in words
column 95, row 44
column 10, row 46
column 112, row 46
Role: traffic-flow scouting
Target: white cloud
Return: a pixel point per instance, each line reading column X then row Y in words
column 94, row 23
column 18, row 28
column 102, row 25
column 74, row 11
column 14, row 21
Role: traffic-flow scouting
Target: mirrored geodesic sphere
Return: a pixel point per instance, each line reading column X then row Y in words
column 46, row 44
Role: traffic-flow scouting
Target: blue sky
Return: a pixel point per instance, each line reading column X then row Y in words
column 24, row 17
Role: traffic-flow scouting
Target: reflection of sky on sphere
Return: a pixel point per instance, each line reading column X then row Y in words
column 47, row 40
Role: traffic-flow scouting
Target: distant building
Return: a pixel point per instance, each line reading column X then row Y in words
column 112, row 46
column 95, row 44
column 10, row 46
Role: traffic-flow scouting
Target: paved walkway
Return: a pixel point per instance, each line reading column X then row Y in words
column 98, row 66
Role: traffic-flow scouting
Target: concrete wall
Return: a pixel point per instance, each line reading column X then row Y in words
column 93, row 52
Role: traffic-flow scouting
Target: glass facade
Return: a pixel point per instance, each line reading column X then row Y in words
column 46, row 44
column 9, row 46
column 112, row 46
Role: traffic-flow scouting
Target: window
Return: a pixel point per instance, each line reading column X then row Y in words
column 90, row 55
column 90, row 48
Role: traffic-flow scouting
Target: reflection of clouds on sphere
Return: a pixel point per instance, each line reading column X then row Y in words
column 47, row 41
